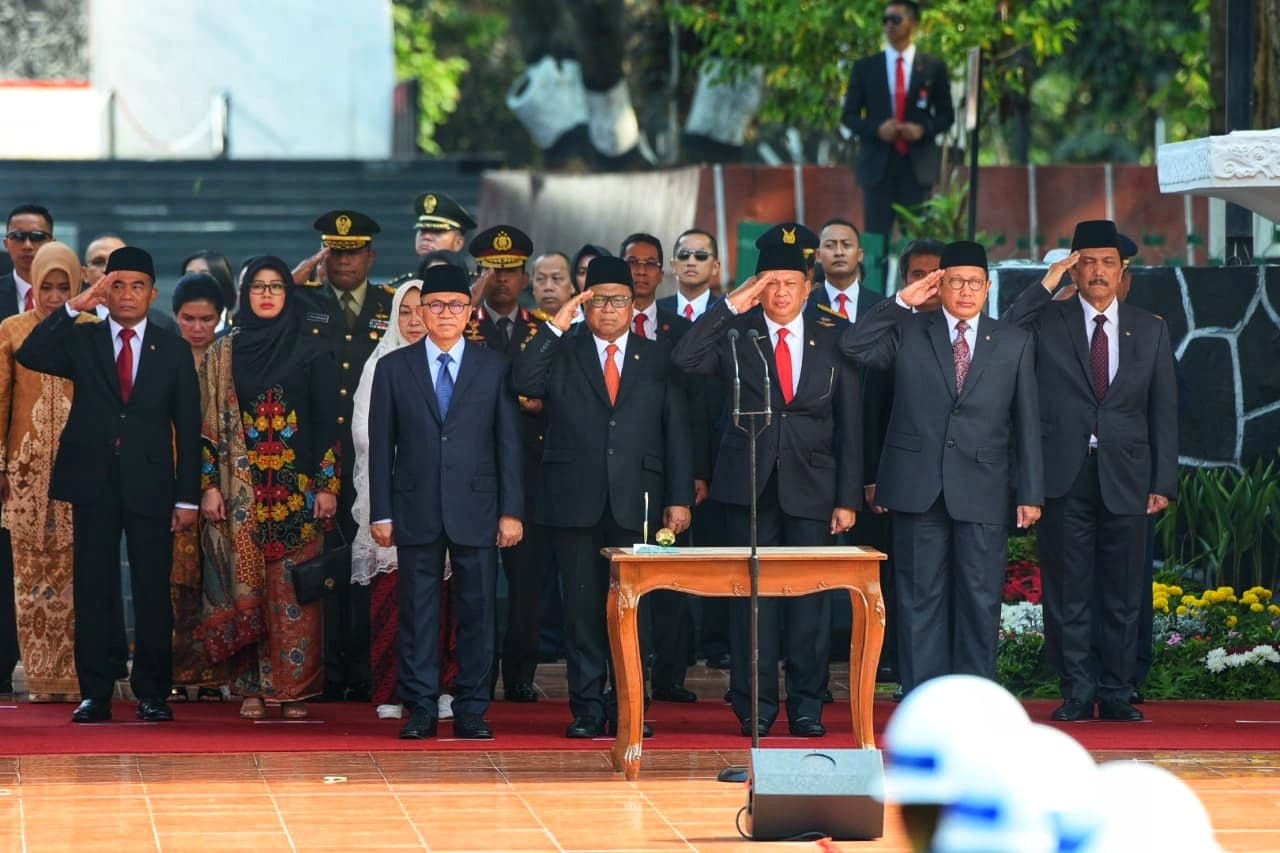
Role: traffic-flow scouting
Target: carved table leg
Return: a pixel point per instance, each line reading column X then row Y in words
column 866, row 640
column 625, row 643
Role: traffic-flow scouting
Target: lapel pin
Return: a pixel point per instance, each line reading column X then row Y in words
column 988, row 337
column 1127, row 332
column 636, row 356
column 153, row 347
column 812, row 343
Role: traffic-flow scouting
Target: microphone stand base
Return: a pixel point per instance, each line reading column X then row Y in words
column 733, row 774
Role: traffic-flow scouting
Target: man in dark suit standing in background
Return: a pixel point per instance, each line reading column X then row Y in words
column 445, row 475
column 28, row 227
column 136, row 408
column 809, row 462
column 1109, row 415
column 898, row 101
column 617, row 430
column 963, row 434
column 840, row 253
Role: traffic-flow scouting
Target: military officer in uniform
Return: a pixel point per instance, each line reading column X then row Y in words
column 500, row 323
column 354, row 315
column 439, row 223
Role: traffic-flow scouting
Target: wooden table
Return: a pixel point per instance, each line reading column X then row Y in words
column 724, row 572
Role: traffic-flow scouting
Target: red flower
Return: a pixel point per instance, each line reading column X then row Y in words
column 273, row 551
column 1022, row 583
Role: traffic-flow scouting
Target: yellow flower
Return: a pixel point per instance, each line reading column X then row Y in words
column 1175, row 590
column 1264, row 594
column 261, row 512
column 1256, row 607
column 1182, row 610
column 296, row 502
column 1231, row 621
column 277, row 423
column 1226, row 590
column 1231, row 599
column 308, row 531
column 1274, row 610
column 1249, row 598
column 1161, row 604
column 1188, row 599
column 279, row 512
column 261, row 423
column 289, row 456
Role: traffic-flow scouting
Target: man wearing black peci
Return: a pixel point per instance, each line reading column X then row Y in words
column 809, row 462
column 136, row 408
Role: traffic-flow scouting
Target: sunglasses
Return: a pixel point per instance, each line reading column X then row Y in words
column 699, row 255
column 28, row 236
column 895, row 20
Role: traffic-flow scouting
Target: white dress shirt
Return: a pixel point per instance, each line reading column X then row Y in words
column 970, row 335
column 433, row 359
column 117, row 343
column 699, row 304
column 795, row 343
column 620, row 357
column 651, row 320
column 851, row 293
column 23, row 287
column 1112, row 327
column 891, row 63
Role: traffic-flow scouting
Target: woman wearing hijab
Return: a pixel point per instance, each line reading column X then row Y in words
column 271, row 481
column 371, row 563
column 198, row 303
column 33, row 411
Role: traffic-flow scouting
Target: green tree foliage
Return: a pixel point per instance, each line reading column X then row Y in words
column 417, row 58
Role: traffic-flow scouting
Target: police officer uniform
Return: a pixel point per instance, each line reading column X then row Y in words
column 434, row 211
column 354, row 332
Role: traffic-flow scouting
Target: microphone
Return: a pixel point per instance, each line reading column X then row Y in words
column 754, row 337
column 737, row 379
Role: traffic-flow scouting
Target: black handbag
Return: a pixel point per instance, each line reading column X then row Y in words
column 314, row 577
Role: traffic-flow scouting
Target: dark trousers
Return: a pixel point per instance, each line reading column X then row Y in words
column 950, row 579
column 97, row 595
column 584, row 584
column 1145, row 614
column 665, row 630
column 8, row 611
column 1091, row 560
column 475, row 579
column 712, row 611
column 525, row 566
column 346, row 622
column 801, row 625
column 899, row 186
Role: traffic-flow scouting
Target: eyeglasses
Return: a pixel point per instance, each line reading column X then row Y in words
column 28, row 236
column 892, row 19
column 699, row 255
column 651, row 263
column 275, row 288
column 972, row 284
column 622, row 300
column 435, row 306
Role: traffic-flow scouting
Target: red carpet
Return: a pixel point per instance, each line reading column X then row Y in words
column 215, row 727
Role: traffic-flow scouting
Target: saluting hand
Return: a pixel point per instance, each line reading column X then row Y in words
column 564, row 317
column 747, row 295
column 510, row 531
column 95, row 295
column 1057, row 270
column 481, row 286
column 919, row 292
column 306, row 270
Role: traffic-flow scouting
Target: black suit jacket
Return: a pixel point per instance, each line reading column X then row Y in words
column 8, row 296
column 162, row 415
column 969, row 447
column 866, row 299
column 455, row 476
column 1136, row 423
column 596, row 453
column 867, row 105
column 814, row 443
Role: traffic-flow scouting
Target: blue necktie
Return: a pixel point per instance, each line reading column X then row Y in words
column 444, row 384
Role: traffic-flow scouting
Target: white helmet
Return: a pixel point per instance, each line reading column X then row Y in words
column 1145, row 807
column 1035, row 791
column 940, row 728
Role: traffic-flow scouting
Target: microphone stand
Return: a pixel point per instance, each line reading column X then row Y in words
column 753, row 429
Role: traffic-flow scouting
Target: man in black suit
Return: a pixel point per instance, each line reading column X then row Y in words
column 962, row 435
column 840, row 253
column 1108, row 399
column 696, row 267
column 445, row 475
column 898, row 101
column 136, row 408
column 353, row 314
column 809, row 460
column 28, row 227
column 617, row 431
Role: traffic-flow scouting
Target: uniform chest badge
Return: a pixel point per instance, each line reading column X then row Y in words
column 379, row 323
column 317, row 317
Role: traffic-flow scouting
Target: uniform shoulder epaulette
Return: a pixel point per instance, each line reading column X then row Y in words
column 541, row 315
column 477, row 314
column 389, row 289
column 833, row 312
column 312, row 283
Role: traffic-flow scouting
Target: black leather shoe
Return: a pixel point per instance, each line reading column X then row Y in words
column 521, row 693
column 827, row 698
column 1073, row 711
column 583, row 728
column 1118, row 711
column 1135, row 698
column 674, row 693
column 6, row 686
column 764, row 728
column 92, row 711
column 154, row 711
column 806, row 727
column 471, row 727
column 421, row 725
column 720, row 661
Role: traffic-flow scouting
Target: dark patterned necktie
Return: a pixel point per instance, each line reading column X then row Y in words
column 1098, row 357
column 960, row 352
column 444, row 384
column 504, row 331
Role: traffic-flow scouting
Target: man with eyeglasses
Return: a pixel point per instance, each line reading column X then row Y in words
column 963, row 437
column 353, row 315
column 617, row 431
column 808, row 460
column 445, row 477
column 897, row 103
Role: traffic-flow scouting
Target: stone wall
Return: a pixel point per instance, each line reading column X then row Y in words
column 1224, row 323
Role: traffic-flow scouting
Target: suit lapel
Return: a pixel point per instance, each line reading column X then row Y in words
column 1128, row 344
column 467, row 371
column 422, row 373
column 148, row 361
column 939, row 336
column 816, row 374
column 1072, row 315
column 635, row 359
column 589, row 362
column 985, row 341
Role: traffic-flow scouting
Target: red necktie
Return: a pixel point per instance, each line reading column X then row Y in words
column 782, row 355
column 29, row 303
column 1099, row 354
column 124, row 363
column 688, row 313
column 843, row 306
column 900, row 103
column 639, row 323
column 960, row 352
column 612, row 378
